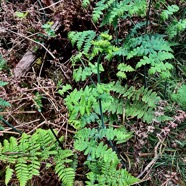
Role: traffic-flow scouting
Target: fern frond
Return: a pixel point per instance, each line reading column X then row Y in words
column 82, row 38
column 175, row 28
column 171, row 9
column 81, row 74
column 123, row 68
column 2, row 62
column 100, row 7
column 154, row 50
column 34, row 166
column 27, row 154
column 179, row 97
column 22, row 171
column 113, row 10
column 87, row 141
column 86, row 3
column 66, row 174
column 105, row 173
column 2, row 83
column 118, row 11
column 13, row 146
column 4, row 103
column 140, row 103
column 8, row 174
column 138, row 7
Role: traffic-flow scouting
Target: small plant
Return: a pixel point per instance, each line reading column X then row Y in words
column 38, row 101
column 3, row 103
column 21, row 15
column 48, row 29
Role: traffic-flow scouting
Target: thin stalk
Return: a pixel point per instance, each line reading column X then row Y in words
column 9, row 125
column 99, row 100
column 147, row 22
column 51, row 129
column 101, row 113
column 165, row 90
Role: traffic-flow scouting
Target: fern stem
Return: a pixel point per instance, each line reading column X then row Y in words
column 116, row 34
column 165, row 89
column 147, row 22
column 145, row 76
column 148, row 15
column 9, row 125
column 99, row 100
column 60, row 144
column 101, row 113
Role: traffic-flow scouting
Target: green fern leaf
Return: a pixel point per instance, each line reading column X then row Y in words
column 4, row 103
column 123, row 68
column 22, row 171
column 64, row 89
column 2, row 62
column 8, row 174
column 66, row 174
column 3, row 83
column 105, row 173
column 175, row 28
column 82, row 38
column 34, row 166
column 98, row 11
column 86, row 3
column 179, row 97
column 170, row 11
column 13, row 147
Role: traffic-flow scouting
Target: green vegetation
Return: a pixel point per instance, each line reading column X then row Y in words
column 114, row 90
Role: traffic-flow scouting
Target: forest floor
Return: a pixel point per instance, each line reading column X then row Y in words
column 35, row 47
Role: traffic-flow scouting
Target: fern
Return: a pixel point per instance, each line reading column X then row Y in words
column 140, row 103
column 100, row 7
column 8, row 174
column 127, row 7
column 170, row 11
column 85, row 3
column 175, row 28
column 179, row 97
column 104, row 173
column 26, row 155
column 22, row 171
column 154, row 50
column 64, row 89
column 115, row 10
column 66, row 174
column 3, row 103
column 123, row 68
column 83, row 105
column 118, row 135
column 100, row 156
column 82, row 38
column 2, row 63
column 81, row 74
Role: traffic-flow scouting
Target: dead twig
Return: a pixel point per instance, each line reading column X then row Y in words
column 53, row 4
column 153, row 161
column 8, row 132
column 32, row 41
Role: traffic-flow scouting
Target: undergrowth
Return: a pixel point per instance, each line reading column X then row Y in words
column 122, row 92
